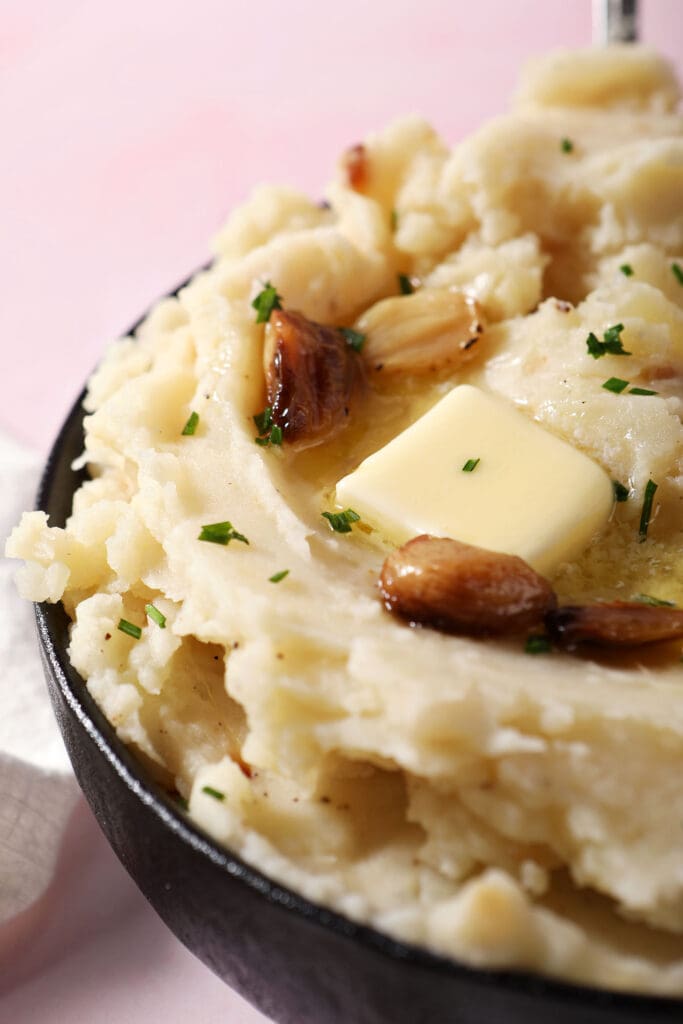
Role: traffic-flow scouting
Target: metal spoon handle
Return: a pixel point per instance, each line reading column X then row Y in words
column 615, row 21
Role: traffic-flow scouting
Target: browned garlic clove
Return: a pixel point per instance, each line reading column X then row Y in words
column 459, row 588
column 428, row 331
column 356, row 166
column 618, row 624
column 311, row 376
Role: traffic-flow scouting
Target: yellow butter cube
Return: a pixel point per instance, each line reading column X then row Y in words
column 475, row 469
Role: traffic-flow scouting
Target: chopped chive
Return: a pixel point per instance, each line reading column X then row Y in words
column 626, row 269
column 677, row 271
column 405, row 284
column 353, row 338
column 265, row 302
column 615, row 384
column 566, row 145
column 595, row 347
column 263, row 420
column 276, row 577
column 221, row 533
column 182, row 802
column 612, row 340
column 191, row 425
column 611, row 343
column 394, row 219
column 156, row 616
column 646, row 514
column 215, row 793
column 340, row 522
column 656, row 602
column 470, row 465
column 621, row 493
column 268, row 432
column 538, row 644
column 130, row 629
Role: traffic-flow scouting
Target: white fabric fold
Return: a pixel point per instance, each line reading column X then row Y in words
column 37, row 787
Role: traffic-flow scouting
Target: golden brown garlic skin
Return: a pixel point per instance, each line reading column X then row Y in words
column 459, row 588
column 312, row 374
column 356, row 166
column 617, row 624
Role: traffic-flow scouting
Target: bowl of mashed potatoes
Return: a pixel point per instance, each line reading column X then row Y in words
column 360, row 574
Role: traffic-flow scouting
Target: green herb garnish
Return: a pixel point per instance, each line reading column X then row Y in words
column 191, row 425
column 405, row 284
column 621, row 493
column 566, row 145
column 268, row 432
column 626, row 269
column 156, row 616
column 130, row 629
column 611, row 343
column 276, row 577
column 353, row 338
column 538, row 644
column 265, row 302
column 656, row 602
column 615, row 384
column 221, row 533
column 340, row 522
column 612, row 340
column 215, row 793
column 595, row 347
column 677, row 271
column 470, row 465
column 646, row 514
column 264, row 420
column 182, row 802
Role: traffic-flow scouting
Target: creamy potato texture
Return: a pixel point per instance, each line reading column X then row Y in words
column 493, row 805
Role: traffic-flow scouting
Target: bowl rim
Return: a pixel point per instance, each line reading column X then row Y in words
column 170, row 814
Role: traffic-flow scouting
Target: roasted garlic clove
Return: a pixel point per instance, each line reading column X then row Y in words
column 618, row 624
column 356, row 166
column 459, row 588
column 425, row 332
column 311, row 375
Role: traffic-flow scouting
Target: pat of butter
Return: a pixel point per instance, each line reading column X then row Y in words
column 530, row 494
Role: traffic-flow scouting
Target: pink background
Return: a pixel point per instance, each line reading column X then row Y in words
column 127, row 131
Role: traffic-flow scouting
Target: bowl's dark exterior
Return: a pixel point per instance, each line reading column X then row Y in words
column 297, row 962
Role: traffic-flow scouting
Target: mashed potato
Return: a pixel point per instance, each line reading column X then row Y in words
column 504, row 808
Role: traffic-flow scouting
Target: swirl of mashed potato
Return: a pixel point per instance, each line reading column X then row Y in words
column 494, row 806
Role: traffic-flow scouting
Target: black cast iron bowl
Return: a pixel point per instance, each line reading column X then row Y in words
column 296, row 961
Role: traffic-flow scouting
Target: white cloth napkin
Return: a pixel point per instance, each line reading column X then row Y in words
column 37, row 788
